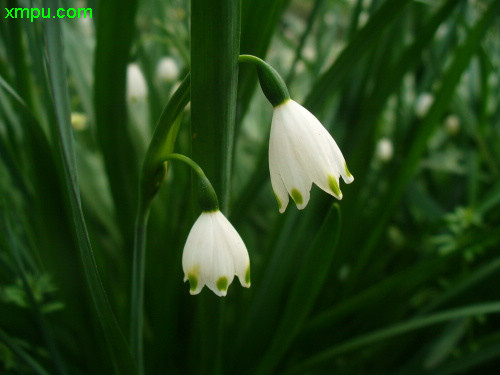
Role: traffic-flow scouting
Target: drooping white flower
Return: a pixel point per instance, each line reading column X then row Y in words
column 301, row 151
column 423, row 104
column 167, row 70
column 384, row 150
column 136, row 83
column 213, row 254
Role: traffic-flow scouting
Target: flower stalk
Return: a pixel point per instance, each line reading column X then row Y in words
column 152, row 174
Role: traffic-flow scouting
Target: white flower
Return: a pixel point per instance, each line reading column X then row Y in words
column 167, row 70
column 384, row 149
column 424, row 102
column 301, row 151
column 213, row 254
column 136, row 83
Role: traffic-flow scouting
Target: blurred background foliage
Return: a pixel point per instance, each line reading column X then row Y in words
column 403, row 281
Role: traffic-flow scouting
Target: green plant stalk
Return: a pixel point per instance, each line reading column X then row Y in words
column 215, row 47
column 273, row 86
column 215, row 43
column 137, row 292
column 115, row 29
column 152, row 175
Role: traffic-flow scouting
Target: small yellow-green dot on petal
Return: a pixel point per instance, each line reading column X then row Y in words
column 296, row 196
column 193, row 281
column 247, row 276
column 334, row 186
column 347, row 170
column 278, row 200
column 222, row 283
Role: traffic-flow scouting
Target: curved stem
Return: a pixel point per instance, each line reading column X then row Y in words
column 161, row 145
column 207, row 196
column 273, row 86
column 208, row 202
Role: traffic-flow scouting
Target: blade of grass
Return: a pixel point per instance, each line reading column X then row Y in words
column 350, row 56
column 393, row 331
column 470, row 281
column 56, row 67
column 471, row 360
column 402, row 282
column 152, row 175
column 318, row 4
column 305, row 290
column 259, row 21
column 115, row 28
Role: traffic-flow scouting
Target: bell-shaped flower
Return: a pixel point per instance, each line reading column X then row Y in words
column 302, row 152
column 214, row 253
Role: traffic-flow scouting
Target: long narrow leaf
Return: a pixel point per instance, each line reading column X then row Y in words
column 305, row 290
column 395, row 330
column 56, row 67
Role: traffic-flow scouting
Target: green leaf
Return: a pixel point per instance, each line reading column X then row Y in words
column 358, row 46
column 62, row 130
column 115, row 28
column 393, row 331
column 305, row 291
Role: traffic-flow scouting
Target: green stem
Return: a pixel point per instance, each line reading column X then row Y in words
column 272, row 84
column 153, row 171
column 207, row 196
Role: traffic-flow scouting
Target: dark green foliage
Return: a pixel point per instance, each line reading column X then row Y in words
column 405, row 284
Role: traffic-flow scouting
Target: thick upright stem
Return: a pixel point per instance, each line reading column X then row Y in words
column 215, row 42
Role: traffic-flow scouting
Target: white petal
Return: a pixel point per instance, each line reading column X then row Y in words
column 222, row 270
column 341, row 164
column 198, row 253
column 328, row 153
column 289, row 157
column 319, row 158
column 276, row 181
column 237, row 248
